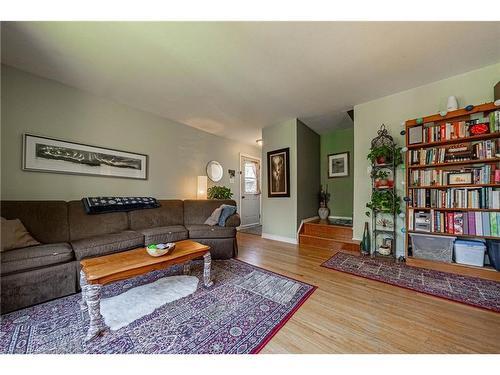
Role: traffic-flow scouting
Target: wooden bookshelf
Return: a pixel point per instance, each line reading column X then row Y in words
column 436, row 120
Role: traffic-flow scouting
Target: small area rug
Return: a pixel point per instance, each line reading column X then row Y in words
column 468, row 290
column 242, row 311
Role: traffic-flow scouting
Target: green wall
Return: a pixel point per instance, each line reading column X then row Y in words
column 177, row 153
column 340, row 188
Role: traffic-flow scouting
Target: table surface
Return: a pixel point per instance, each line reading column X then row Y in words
column 126, row 264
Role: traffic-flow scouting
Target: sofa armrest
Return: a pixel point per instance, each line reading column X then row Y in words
column 233, row 220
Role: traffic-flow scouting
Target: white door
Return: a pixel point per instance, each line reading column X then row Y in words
column 249, row 191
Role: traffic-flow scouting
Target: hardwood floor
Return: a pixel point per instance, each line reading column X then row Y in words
column 349, row 314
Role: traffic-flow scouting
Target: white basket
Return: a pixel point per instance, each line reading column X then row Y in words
column 432, row 247
column 470, row 252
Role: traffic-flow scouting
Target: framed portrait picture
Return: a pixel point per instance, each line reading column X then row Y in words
column 338, row 165
column 278, row 169
column 43, row 154
column 460, row 178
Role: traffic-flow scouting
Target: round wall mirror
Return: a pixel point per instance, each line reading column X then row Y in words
column 214, row 171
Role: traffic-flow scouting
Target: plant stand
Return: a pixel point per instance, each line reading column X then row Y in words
column 381, row 234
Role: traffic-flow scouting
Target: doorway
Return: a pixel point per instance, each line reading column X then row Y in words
column 250, row 191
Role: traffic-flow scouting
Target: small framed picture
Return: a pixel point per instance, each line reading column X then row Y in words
column 460, row 178
column 338, row 165
column 415, row 135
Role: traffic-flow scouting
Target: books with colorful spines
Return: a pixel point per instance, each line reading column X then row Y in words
column 478, row 223
column 498, row 221
column 494, row 224
column 458, row 223
column 466, row 223
column 486, row 223
column 450, row 223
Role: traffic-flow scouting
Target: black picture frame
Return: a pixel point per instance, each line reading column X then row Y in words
column 278, row 173
column 33, row 162
column 344, row 156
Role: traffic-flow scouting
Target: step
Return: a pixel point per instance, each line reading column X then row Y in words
column 329, row 243
column 327, row 231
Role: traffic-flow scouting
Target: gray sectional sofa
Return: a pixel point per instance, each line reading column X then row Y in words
column 67, row 234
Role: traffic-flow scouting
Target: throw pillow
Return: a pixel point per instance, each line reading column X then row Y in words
column 15, row 235
column 214, row 218
column 227, row 211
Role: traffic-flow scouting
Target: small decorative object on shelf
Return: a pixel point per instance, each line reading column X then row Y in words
column 443, row 113
column 452, row 103
column 324, row 198
column 469, row 108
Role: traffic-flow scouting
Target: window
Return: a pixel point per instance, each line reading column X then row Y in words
column 251, row 182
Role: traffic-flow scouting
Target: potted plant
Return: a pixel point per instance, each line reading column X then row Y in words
column 384, row 155
column 324, row 198
column 219, row 192
column 382, row 180
column 384, row 201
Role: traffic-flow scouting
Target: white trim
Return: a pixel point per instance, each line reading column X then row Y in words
column 306, row 221
column 243, row 155
column 280, row 238
column 248, row 226
column 340, row 217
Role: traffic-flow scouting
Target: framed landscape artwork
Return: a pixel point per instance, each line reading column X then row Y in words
column 43, row 154
column 338, row 165
column 278, row 169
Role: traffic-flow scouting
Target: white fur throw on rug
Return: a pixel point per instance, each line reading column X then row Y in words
column 121, row 310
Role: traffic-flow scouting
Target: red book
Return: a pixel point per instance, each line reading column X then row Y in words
column 497, row 176
column 450, row 223
column 442, row 131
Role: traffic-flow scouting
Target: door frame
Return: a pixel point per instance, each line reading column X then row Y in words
column 247, row 156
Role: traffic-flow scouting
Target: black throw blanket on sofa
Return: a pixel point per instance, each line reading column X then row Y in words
column 99, row 205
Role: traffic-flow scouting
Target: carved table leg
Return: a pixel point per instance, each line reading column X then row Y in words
column 83, row 283
column 187, row 267
column 207, row 259
column 93, row 298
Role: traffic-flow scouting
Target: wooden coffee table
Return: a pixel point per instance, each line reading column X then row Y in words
column 106, row 269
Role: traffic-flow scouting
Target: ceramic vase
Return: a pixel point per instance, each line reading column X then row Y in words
column 452, row 103
column 323, row 213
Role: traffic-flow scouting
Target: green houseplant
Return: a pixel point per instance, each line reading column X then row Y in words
column 384, row 201
column 219, row 192
column 385, row 154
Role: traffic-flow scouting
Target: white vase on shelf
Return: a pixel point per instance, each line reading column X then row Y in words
column 452, row 103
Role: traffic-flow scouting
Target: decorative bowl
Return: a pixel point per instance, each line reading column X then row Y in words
column 160, row 249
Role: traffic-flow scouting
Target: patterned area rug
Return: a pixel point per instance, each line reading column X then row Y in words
column 469, row 290
column 242, row 311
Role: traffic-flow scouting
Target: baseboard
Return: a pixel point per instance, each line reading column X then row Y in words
column 248, row 226
column 279, row 238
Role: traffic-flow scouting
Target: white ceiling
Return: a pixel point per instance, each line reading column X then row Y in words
column 234, row 78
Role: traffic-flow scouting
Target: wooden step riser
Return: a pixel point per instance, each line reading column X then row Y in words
column 328, row 243
column 328, row 231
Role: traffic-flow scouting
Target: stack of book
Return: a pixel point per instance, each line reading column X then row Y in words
column 488, row 198
column 471, row 151
column 461, row 223
column 439, row 177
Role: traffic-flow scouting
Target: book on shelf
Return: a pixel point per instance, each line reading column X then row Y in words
column 465, row 197
column 487, row 174
column 468, row 151
column 472, row 223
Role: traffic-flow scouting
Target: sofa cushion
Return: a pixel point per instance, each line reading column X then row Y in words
column 171, row 212
column 32, row 257
column 47, row 221
column 107, row 244
column 207, row 231
column 83, row 225
column 158, row 235
column 197, row 211
column 15, row 235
